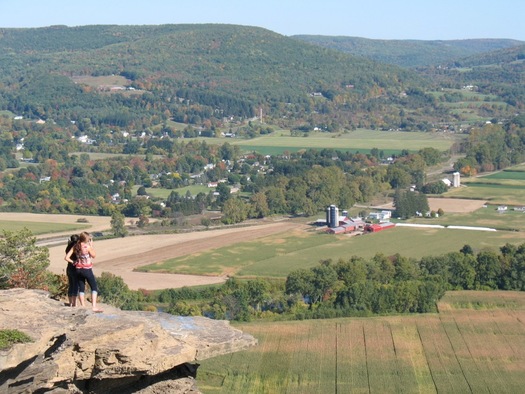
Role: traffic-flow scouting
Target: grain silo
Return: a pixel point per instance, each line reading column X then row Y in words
column 456, row 182
column 332, row 216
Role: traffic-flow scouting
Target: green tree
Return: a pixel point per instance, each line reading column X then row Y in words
column 405, row 268
column 300, row 282
column 513, row 261
column 234, row 211
column 258, row 290
column 488, row 269
column 324, row 279
column 116, row 292
column 398, row 177
column 259, row 205
column 276, row 200
column 462, row 273
column 117, row 224
column 22, row 263
column 224, row 193
column 381, row 269
column 351, row 271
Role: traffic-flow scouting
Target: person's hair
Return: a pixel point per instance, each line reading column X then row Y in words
column 71, row 242
column 84, row 237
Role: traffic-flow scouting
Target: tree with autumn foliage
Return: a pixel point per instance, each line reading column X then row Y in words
column 22, row 263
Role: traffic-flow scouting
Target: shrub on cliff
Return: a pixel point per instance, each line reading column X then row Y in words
column 22, row 263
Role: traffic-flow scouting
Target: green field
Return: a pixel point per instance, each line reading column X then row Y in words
column 359, row 140
column 507, row 174
column 484, row 217
column 503, row 187
column 39, row 227
column 461, row 349
column 159, row 192
column 279, row 254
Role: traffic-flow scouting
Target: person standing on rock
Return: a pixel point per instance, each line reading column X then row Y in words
column 85, row 254
column 71, row 272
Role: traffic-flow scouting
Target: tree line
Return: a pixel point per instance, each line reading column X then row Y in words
column 351, row 286
column 300, row 183
column 356, row 286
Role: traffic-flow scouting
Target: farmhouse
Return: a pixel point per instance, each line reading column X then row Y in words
column 383, row 215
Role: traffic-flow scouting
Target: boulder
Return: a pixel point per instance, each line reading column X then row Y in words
column 75, row 350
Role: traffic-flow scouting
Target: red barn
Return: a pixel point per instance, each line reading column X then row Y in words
column 375, row 227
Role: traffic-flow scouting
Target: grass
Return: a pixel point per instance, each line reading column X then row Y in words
column 507, row 174
column 483, row 217
column 39, row 227
column 279, row 254
column 9, row 337
column 505, row 187
column 358, row 140
column 457, row 350
column 159, row 192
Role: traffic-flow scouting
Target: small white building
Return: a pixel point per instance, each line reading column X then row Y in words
column 383, row 215
column 447, row 182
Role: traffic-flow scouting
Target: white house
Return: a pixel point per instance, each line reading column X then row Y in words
column 383, row 215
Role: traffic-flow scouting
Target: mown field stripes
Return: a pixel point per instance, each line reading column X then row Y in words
column 475, row 344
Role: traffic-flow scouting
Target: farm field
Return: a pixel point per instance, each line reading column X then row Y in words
column 503, row 187
column 359, row 140
column 476, row 343
column 267, row 249
column 159, row 192
column 44, row 225
column 483, row 217
column 40, row 228
column 276, row 255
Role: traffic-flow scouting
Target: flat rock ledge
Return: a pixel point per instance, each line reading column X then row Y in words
column 75, row 350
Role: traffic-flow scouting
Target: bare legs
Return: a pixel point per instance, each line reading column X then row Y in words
column 82, row 301
column 94, row 302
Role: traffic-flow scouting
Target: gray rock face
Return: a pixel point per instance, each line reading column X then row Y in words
column 77, row 351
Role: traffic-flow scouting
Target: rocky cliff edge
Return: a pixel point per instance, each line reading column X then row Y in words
column 77, row 351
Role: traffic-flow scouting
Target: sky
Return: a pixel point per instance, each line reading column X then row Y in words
column 376, row 19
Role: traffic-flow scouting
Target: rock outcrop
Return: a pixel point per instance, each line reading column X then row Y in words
column 75, row 350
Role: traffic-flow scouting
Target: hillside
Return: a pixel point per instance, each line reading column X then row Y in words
column 211, row 74
column 497, row 73
column 231, row 70
column 409, row 53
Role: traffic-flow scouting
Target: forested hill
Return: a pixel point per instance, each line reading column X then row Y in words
column 233, row 68
column 201, row 74
column 409, row 53
column 246, row 61
column 514, row 55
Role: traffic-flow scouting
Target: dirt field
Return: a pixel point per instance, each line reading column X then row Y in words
column 455, row 205
column 120, row 256
column 450, row 205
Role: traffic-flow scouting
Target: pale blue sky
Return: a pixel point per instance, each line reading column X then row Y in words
column 385, row 19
